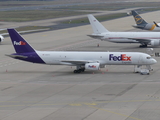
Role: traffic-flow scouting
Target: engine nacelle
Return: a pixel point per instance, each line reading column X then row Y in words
column 1, row 38
column 92, row 66
column 155, row 42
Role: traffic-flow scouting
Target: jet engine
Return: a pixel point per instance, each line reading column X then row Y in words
column 1, row 38
column 155, row 42
column 92, row 66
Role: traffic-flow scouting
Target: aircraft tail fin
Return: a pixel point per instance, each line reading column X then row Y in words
column 20, row 45
column 138, row 19
column 96, row 25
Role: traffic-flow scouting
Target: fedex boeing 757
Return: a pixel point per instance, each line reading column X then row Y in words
column 82, row 60
column 144, row 38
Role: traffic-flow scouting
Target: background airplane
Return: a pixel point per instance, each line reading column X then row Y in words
column 82, row 60
column 1, row 36
column 144, row 38
column 142, row 24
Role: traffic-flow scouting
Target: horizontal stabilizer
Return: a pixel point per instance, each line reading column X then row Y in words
column 156, row 24
column 96, row 36
column 139, row 26
column 17, row 56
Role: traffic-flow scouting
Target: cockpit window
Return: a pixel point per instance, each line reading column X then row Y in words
column 148, row 57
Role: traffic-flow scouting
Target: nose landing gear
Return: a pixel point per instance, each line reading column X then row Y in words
column 143, row 71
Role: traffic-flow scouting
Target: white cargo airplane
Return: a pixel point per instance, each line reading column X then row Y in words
column 82, row 60
column 142, row 24
column 144, row 38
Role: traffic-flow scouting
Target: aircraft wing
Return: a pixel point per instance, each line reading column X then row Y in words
column 141, row 40
column 77, row 62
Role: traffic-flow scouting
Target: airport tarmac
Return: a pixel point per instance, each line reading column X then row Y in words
column 42, row 92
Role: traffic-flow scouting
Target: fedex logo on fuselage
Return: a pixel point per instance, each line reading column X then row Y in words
column 122, row 57
column 19, row 43
column 91, row 66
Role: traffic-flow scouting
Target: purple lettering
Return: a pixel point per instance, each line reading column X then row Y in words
column 122, row 57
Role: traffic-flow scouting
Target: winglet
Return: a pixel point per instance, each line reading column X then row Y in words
column 97, row 27
column 20, row 45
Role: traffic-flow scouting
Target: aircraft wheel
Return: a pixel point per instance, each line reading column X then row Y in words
column 75, row 71
column 143, row 46
column 82, row 70
column 79, row 71
column 151, row 70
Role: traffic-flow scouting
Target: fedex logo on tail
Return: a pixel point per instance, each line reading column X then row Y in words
column 122, row 57
column 19, row 43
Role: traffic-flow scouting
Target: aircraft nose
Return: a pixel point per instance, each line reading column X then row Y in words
column 154, row 61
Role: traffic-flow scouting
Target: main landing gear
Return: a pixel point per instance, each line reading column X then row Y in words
column 143, row 45
column 79, row 69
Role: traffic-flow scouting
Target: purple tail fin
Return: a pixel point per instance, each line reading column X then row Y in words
column 20, row 45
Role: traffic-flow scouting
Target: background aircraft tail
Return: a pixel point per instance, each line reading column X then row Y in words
column 138, row 19
column 20, row 45
column 96, row 25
